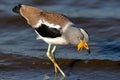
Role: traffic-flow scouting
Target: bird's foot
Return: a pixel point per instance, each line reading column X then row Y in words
column 62, row 78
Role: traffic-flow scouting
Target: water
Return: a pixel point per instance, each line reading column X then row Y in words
column 100, row 18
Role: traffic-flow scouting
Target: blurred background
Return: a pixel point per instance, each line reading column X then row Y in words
column 101, row 19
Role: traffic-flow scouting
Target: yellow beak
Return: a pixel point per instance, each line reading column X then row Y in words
column 82, row 45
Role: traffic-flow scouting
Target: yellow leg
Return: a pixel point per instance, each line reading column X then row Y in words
column 53, row 60
column 53, row 56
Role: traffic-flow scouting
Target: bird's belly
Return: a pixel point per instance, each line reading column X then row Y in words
column 57, row 40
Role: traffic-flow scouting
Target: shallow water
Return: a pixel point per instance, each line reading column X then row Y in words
column 100, row 18
column 17, row 67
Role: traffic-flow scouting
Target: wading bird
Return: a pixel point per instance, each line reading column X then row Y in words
column 54, row 29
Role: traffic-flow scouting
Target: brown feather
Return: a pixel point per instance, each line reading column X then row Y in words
column 33, row 15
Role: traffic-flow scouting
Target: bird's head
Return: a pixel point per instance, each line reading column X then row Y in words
column 83, row 42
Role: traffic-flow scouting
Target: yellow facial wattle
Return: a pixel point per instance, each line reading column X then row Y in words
column 82, row 45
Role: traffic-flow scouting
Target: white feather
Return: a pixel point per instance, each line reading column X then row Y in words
column 85, row 35
column 47, row 24
column 52, row 25
column 38, row 24
column 38, row 36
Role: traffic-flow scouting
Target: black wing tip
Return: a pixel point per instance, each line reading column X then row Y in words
column 16, row 9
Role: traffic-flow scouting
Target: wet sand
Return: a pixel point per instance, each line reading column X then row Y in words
column 32, row 68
